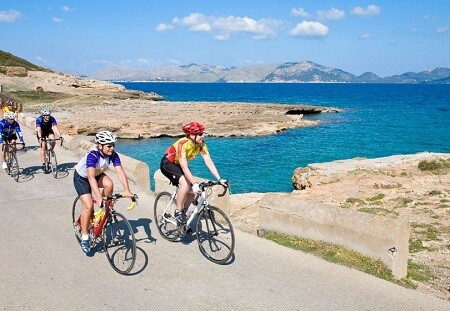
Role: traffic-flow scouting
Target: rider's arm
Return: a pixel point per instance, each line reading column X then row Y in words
column 38, row 129
column 56, row 128
column 19, row 132
column 123, row 180
column 210, row 165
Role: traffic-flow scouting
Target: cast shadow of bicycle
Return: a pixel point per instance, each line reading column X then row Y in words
column 141, row 256
column 217, row 243
column 28, row 173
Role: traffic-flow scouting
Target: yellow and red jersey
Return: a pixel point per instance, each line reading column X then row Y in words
column 185, row 148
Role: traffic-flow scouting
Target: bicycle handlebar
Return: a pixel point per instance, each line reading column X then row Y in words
column 117, row 196
column 53, row 140
column 6, row 143
column 211, row 183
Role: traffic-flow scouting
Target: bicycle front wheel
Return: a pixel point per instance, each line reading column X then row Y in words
column 215, row 235
column 164, row 208
column 77, row 207
column 120, row 243
column 53, row 164
column 14, row 167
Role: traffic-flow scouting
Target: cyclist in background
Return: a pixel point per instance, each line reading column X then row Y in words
column 89, row 176
column 46, row 127
column 9, row 107
column 174, row 165
column 9, row 130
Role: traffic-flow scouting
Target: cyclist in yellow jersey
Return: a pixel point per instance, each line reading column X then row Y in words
column 174, row 165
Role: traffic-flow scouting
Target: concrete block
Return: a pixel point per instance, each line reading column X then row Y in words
column 371, row 235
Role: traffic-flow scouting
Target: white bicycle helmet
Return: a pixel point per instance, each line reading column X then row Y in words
column 46, row 112
column 105, row 137
column 9, row 115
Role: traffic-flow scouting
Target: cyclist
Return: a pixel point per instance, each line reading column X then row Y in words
column 9, row 129
column 46, row 127
column 8, row 107
column 89, row 176
column 174, row 165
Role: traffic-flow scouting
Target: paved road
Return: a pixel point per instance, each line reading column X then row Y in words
column 43, row 268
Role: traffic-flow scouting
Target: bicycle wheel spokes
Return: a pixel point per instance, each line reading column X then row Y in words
column 53, row 164
column 120, row 244
column 76, row 221
column 215, row 235
column 163, row 211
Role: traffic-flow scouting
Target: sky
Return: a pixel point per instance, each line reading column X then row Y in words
column 84, row 36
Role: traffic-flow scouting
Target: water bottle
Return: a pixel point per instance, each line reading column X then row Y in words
column 192, row 215
column 97, row 216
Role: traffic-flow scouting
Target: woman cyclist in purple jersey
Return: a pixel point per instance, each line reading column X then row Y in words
column 89, row 177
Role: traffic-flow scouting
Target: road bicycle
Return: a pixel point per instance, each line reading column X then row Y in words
column 12, row 165
column 109, row 232
column 51, row 164
column 213, row 228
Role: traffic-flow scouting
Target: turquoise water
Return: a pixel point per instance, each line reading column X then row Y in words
column 377, row 120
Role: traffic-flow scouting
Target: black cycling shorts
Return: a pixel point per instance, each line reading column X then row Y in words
column 9, row 138
column 172, row 171
column 81, row 184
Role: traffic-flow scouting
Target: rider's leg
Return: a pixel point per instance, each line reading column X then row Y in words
column 184, row 198
column 52, row 136
column 42, row 152
column 107, row 184
column 86, row 213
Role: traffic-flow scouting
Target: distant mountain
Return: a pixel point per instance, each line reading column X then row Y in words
column 302, row 71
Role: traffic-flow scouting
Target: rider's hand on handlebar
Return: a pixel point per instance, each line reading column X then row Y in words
column 196, row 188
column 223, row 182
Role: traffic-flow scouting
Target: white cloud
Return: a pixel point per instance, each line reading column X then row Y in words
column 40, row 59
column 230, row 25
column 366, row 36
column 442, row 29
column 65, row 8
column 56, row 19
column 9, row 16
column 370, row 10
column 332, row 14
column 309, row 30
column 223, row 37
column 299, row 12
column 163, row 27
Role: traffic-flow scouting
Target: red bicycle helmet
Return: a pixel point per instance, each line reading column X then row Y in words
column 10, row 103
column 193, row 128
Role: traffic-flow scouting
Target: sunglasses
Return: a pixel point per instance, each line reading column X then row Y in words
column 200, row 134
column 110, row 146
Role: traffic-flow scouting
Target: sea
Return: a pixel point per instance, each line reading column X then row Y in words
column 377, row 120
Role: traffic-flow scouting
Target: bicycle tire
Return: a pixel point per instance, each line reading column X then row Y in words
column 215, row 235
column 119, row 243
column 77, row 208
column 14, row 168
column 167, row 229
column 53, row 164
column 8, row 163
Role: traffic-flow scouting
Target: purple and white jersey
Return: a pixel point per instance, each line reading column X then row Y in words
column 97, row 160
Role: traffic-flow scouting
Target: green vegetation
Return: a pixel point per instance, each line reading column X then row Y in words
column 440, row 166
column 427, row 231
column 7, row 59
column 26, row 97
column 377, row 211
column 379, row 196
column 435, row 192
column 343, row 256
column 419, row 272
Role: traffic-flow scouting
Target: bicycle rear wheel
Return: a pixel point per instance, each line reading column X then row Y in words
column 77, row 207
column 14, row 167
column 53, row 164
column 120, row 243
column 164, row 208
column 215, row 235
